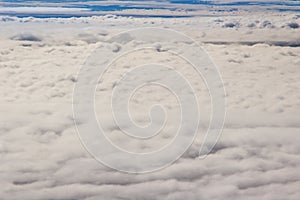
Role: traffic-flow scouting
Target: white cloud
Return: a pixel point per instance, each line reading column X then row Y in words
column 41, row 156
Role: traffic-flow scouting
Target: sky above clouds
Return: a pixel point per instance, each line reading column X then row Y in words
column 78, row 6
column 171, row 1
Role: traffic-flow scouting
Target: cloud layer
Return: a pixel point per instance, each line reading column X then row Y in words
column 257, row 156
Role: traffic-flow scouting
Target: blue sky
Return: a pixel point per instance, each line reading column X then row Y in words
column 212, row 2
column 117, row 5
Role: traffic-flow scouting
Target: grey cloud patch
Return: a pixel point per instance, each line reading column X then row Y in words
column 26, row 37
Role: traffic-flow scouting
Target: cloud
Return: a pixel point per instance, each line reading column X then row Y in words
column 26, row 37
column 42, row 158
